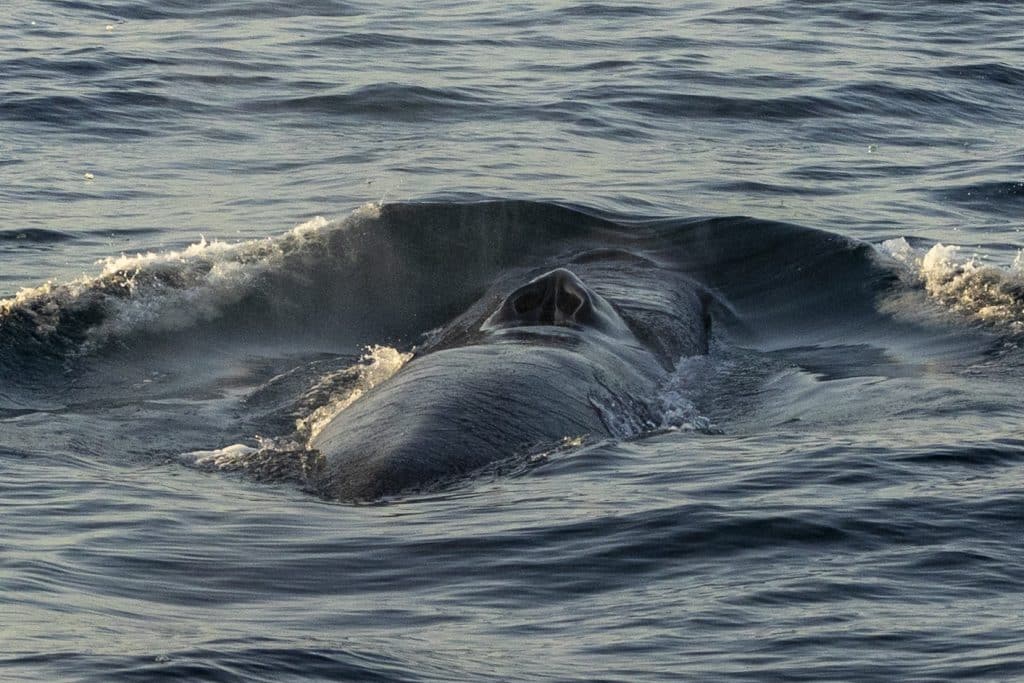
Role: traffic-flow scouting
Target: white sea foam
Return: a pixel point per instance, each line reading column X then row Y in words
column 227, row 458
column 172, row 290
column 169, row 290
column 270, row 460
column 966, row 285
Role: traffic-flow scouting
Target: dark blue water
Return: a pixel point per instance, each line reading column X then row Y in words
column 834, row 492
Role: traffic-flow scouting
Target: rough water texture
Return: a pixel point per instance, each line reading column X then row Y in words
column 832, row 492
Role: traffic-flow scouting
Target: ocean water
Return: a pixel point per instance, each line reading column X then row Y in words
column 221, row 224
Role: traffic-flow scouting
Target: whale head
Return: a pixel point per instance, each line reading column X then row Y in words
column 557, row 298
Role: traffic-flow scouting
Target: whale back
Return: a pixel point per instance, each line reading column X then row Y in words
column 573, row 351
column 451, row 412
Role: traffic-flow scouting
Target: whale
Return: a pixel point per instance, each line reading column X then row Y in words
column 576, row 350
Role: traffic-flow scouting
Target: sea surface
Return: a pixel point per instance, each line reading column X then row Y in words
column 220, row 222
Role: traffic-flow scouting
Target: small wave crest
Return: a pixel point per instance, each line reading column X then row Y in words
column 987, row 293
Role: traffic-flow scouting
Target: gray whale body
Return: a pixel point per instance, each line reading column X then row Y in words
column 555, row 358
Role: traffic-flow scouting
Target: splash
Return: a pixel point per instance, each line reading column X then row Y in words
column 164, row 291
column 290, row 457
column 671, row 409
column 338, row 390
column 269, row 461
column 984, row 292
column 675, row 406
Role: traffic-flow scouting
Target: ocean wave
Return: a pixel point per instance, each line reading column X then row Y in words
column 702, row 106
column 385, row 100
column 119, row 111
column 191, row 10
column 373, row 40
column 904, row 101
column 986, row 73
column 995, row 197
column 34, row 236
